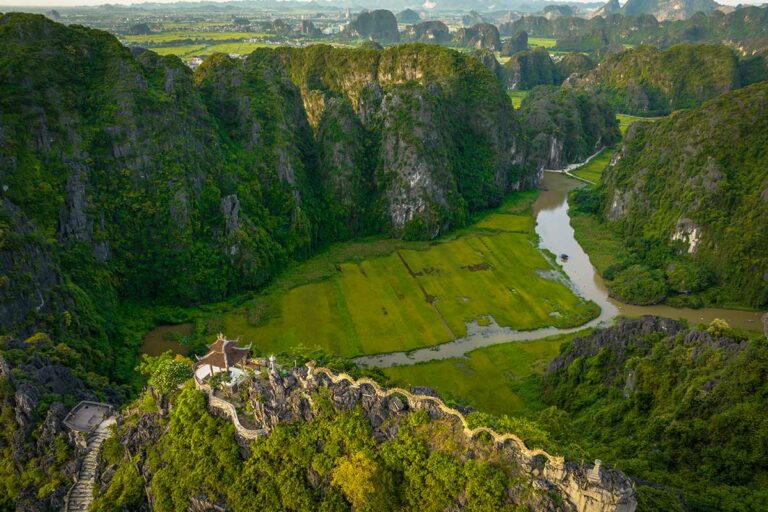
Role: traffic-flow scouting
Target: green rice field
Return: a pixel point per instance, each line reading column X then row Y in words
column 499, row 380
column 400, row 296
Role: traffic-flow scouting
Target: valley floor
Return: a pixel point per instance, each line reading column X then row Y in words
column 416, row 295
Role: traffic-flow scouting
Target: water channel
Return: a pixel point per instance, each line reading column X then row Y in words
column 556, row 235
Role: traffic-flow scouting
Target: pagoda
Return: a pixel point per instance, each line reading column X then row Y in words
column 223, row 356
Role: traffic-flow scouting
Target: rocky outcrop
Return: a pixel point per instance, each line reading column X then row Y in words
column 517, row 43
column 32, row 433
column 648, row 81
column 480, row 36
column 627, row 337
column 527, row 69
column 488, row 59
column 379, row 25
column 610, row 7
column 428, row 32
column 408, row 16
column 668, row 10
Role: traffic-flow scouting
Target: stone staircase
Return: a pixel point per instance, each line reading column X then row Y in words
column 80, row 495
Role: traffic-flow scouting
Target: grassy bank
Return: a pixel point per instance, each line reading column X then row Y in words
column 594, row 169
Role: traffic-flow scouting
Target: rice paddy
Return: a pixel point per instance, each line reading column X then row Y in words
column 499, row 380
column 410, row 295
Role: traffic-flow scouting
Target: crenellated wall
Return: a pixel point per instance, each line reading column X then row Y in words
column 585, row 488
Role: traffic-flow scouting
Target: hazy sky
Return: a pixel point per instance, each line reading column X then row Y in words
column 71, row 3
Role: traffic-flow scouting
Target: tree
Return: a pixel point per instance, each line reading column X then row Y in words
column 363, row 481
column 166, row 372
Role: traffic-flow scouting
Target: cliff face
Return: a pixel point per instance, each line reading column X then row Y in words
column 468, row 116
column 667, row 10
column 702, row 190
column 527, row 69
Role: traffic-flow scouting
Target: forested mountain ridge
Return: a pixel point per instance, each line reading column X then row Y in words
column 676, row 406
column 744, row 29
column 647, row 81
column 689, row 196
column 124, row 168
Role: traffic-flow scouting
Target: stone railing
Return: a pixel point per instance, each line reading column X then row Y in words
column 414, row 401
column 588, row 492
column 229, row 410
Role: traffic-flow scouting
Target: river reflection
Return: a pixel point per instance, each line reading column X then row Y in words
column 556, row 235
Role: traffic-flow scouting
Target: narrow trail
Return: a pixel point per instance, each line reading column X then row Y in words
column 80, row 496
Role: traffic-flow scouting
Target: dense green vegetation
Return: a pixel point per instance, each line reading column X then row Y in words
column 214, row 182
column 693, row 224
column 678, row 409
column 131, row 187
column 564, row 125
column 646, row 81
column 682, row 410
column 332, row 463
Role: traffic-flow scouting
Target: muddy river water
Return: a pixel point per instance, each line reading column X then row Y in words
column 556, row 235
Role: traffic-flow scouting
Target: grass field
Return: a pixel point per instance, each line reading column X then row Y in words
column 501, row 379
column 396, row 296
column 544, row 42
column 594, row 169
column 517, row 97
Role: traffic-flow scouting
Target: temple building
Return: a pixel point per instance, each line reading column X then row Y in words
column 223, row 356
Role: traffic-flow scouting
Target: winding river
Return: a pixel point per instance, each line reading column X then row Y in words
column 556, row 234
